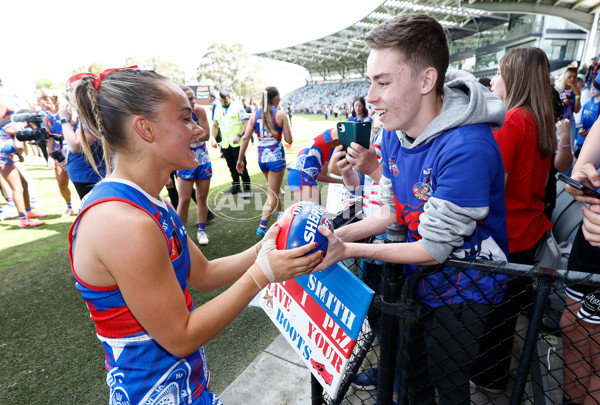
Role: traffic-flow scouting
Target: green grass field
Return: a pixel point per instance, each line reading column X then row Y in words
column 49, row 352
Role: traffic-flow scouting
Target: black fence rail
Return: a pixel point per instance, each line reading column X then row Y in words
column 483, row 332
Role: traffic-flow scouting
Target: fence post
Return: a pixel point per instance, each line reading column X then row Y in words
column 392, row 285
column 544, row 287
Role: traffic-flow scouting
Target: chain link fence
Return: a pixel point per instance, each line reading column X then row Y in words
column 523, row 341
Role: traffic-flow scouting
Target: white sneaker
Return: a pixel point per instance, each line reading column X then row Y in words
column 35, row 204
column 10, row 212
column 247, row 193
column 202, row 238
column 2, row 216
column 67, row 213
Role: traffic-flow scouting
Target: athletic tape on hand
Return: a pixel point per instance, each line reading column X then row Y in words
column 263, row 261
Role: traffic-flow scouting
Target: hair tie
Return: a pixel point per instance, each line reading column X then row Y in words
column 74, row 79
column 98, row 80
column 265, row 100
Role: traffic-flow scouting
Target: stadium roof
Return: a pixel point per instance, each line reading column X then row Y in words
column 345, row 54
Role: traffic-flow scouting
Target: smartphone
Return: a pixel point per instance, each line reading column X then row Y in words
column 359, row 132
column 586, row 190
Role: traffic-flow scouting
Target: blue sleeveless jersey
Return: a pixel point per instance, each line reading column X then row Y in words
column 265, row 138
column 271, row 155
column 462, row 166
column 139, row 370
column 7, row 146
column 312, row 157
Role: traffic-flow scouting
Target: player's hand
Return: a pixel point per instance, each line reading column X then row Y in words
column 281, row 265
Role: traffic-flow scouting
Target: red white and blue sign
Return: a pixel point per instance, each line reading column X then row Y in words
column 320, row 315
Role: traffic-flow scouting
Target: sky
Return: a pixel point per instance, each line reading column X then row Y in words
column 48, row 39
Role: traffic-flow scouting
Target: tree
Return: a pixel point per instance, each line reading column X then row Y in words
column 95, row 68
column 230, row 67
column 46, row 84
column 159, row 65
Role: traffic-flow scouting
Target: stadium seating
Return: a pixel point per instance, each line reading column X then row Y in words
column 312, row 98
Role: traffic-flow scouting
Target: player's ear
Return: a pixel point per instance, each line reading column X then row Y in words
column 428, row 80
column 143, row 128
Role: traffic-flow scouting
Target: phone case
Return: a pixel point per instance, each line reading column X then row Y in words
column 586, row 190
column 359, row 132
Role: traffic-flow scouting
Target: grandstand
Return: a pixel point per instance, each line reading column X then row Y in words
column 312, row 98
column 480, row 32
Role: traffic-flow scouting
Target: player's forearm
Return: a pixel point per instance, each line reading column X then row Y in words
column 225, row 270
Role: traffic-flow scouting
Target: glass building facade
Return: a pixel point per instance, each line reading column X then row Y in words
column 479, row 54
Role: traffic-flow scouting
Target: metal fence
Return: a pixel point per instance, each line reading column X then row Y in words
column 528, row 347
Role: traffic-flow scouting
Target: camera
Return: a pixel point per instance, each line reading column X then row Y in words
column 39, row 135
column 58, row 156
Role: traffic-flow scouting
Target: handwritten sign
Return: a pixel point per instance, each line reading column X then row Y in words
column 320, row 315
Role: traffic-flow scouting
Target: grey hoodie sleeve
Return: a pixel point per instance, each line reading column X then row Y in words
column 444, row 225
column 386, row 194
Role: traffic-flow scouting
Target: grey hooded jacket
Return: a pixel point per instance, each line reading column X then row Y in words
column 444, row 225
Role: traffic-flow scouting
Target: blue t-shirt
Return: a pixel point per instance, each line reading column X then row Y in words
column 366, row 118
column 462, row 166
column 589, row 115
column 81, row 171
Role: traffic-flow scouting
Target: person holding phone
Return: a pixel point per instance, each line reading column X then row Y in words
column 580, row 321
column 361, row 170
column 437, row 134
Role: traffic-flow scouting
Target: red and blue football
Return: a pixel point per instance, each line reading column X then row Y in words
column 299, row 226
